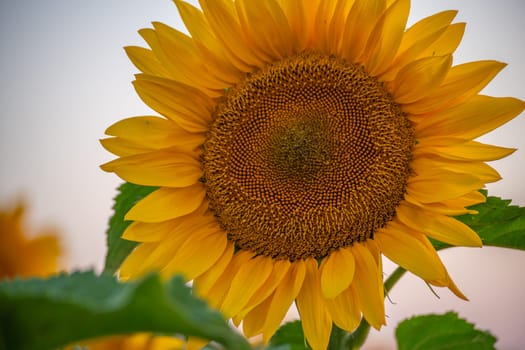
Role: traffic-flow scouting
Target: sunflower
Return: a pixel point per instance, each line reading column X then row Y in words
column 138, row 341
column 21, row 256
column 299, row 142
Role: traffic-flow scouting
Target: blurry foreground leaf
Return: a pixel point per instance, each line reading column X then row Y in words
column 433, row 332
column 498, row 223
column 290, row 336
column 46, row 314
column 118, row 248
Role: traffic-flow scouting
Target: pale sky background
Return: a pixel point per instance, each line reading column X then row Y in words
column 65, row 78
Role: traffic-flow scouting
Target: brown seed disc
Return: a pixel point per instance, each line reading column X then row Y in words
column 305, row 156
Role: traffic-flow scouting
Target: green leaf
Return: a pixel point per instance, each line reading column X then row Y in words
column 498, row 223
column 433, row 332
column 118, row 248
column 46, row 314
column 289, row 336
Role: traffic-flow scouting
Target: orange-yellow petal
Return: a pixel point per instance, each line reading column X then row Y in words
column 386, row 37
column 369, row 286
column 167, row 203
column 337, row 272
column 197, row 254
column 440, row 227
column 471, row 119
column 317, row 323
column 410, row 250
column 458, row 149
column 204, row 283
column 279, row 270
column 185, row 106
column 247, row 280
column 359, row 24
column 160, row 168
column 461, row 83
column 419, row 78
column 344, row 309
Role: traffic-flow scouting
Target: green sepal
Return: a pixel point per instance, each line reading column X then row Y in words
column 289, row 336
column 439, row 332
column 38, row 314
column 119, row 248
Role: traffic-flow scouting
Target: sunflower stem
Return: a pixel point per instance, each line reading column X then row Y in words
column 342, row 340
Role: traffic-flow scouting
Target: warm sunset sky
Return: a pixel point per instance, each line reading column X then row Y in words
column 65, row 78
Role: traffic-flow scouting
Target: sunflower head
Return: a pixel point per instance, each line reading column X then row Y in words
column 298, row 142
column 22, row 255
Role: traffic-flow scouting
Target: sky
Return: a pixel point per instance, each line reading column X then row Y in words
column 66, row 78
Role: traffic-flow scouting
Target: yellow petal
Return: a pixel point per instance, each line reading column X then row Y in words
column 223, row 20
column 247, row 280
column 451, row 207
column 426, row 165
column 267, row 26
column 471, row 119
column 337, row 272
column 368, row 286
column 205, row 282
column 279, row 270
column 417, row 39
column 386, row 37
column 134, row 266
column 164, row 250
column 200, row 251
column 336, row 28
column 345, row 310
column 146, row 61
column 155, row 133
column 409, row 251
column 423, row 185
column 155, row 169
column 148, row 232
column 161, row 168
column 123, row 148
column 167, row 203
column 463, row 150
column 437, row 226
column 284, row 295
column 426, row 27
column 253, row 322
column 185, row 106
column 447, row 42
column 317, row 324
column 361, row 20
column 301, row 17
column 419, row 78
column 461, row 83
column 185, row 61
column 218, row 292
column 212, row 52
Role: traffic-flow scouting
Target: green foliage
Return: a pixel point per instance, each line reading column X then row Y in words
column 289, row 337
column 498, row 223
column 433, row 332
column 46, row 314
column 119, row 248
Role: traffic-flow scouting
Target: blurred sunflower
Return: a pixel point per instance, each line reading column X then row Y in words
column 139, row 341
column 299, row 141
column 20, row 255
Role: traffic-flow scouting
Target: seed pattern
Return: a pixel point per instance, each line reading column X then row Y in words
column 305, row 156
